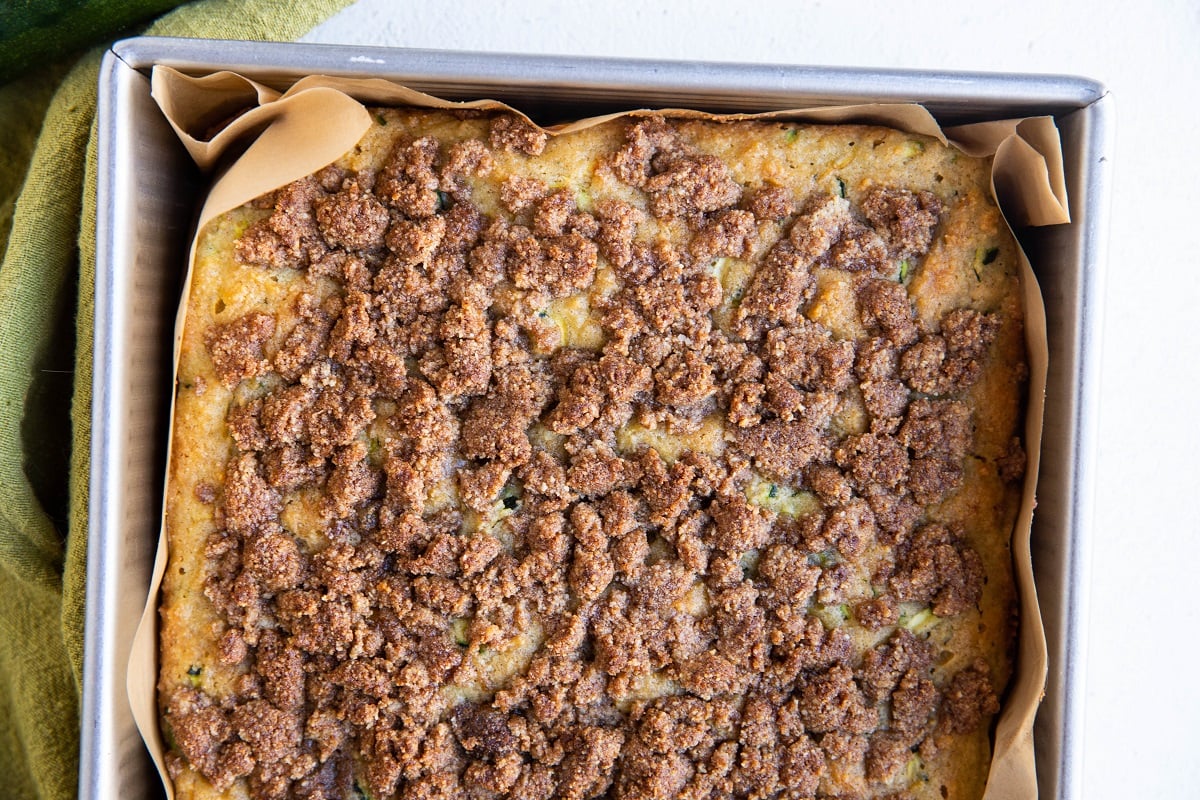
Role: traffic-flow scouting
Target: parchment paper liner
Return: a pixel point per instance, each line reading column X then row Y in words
column 277, row 131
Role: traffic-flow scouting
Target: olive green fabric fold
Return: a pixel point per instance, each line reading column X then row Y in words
column 47, row 276
column 34, row 31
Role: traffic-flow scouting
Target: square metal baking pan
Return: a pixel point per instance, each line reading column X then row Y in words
column 147, row 202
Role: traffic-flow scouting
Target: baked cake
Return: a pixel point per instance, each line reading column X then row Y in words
column 665, row 458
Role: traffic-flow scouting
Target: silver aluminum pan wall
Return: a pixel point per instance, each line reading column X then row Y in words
column 145, row 208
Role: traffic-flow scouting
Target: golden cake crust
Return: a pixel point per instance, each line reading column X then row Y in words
column 663, row 458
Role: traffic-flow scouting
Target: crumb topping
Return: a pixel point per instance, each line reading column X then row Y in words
column 666, row 562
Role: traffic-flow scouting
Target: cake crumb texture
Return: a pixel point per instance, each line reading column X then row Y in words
column 661, row 459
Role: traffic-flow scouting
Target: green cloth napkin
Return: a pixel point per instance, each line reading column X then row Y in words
column 33, row 32
column 47, row 233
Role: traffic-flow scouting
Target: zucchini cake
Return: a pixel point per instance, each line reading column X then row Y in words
column 664, row 458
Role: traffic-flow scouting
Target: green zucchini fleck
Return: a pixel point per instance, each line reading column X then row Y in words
column 913, row 148
column 904, row 268
column 914, row 770
column 833, row 616
column 841, row 188
column 920, row 623
column 375, row 451
column 583, row 197
column 825, row 558
column 749, row 564
column 986, row 255
column 791, row 135
column 458, row 629
column 195, row 671
column 983, row 256
column 168, row 732
column 381, row 119
column 510, row 497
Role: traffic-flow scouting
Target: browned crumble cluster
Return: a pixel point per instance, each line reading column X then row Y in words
column 434, row 338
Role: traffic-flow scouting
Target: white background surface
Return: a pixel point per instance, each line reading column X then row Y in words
column 1143, row 696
